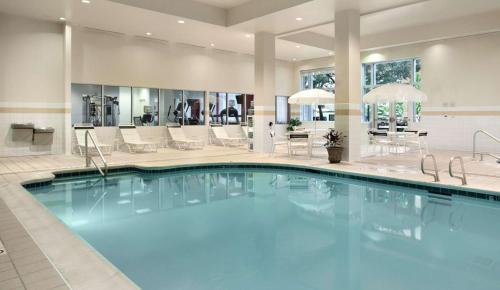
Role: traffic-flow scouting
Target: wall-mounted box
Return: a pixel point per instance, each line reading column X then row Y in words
column 43, row 136
column 22, row 132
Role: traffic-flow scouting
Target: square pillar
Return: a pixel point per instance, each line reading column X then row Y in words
column 265, row 88
column 68, row 135
column 348, row 81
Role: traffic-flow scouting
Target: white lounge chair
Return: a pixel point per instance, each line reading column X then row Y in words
column 106, row 149
column 180, row 140
column 223, row 138
column 134, row 142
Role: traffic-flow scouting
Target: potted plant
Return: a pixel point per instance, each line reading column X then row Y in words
column 334, row 140
column 294, row 122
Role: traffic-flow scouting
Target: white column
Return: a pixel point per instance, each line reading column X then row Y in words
column 264, row 99
column 67, row 90
column 348, row 78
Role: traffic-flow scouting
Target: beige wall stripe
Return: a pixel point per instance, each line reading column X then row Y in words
column 462, row 113
column 34, row 110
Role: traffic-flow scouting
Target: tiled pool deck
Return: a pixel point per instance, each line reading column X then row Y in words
column 29, row 259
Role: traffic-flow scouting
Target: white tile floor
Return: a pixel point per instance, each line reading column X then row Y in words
column 82, row 268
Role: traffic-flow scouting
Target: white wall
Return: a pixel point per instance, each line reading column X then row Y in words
column 115, row 59
column 461, row 78
column 31, row 81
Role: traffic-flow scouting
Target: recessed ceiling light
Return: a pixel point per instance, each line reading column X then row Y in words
column 330, row 53
column 86, row 1
column 297, row 46
column 181, row 21
column 212, row 44
column 62, row 18
column 299, row 19
column 248, row 35
column 149, row 33
column 294, row 59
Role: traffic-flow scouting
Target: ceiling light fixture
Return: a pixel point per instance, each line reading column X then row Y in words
column 297, row 46
column 149, row 33
column 330, row 53
column 212, row 44
column 294, row 59
column 62, row 18
column 86, row 1
column 248, row 35
column 299, row 18
column 181, row 21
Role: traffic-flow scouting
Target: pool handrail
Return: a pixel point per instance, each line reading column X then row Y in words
column 436, row 171
column 463, row 178
column 88, row 158
column 481, row 154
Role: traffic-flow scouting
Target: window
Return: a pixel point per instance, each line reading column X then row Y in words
column 318, row 79
column 194, row 107
column 229, row 108
column 145, row 106
column 86, row 104
column 117, row 107
column 282, row 110
column 399, row 71
column 171, row 108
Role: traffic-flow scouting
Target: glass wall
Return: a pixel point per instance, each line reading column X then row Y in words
column 171, row 108
column 194, row 107
column 145, row 106
column 318, row 79
column 217, row 106
column 235, row 108
column 117, row 107
column 399, row 71
column 282, row 110
column 114, row 105
column 229, row 108
column 86, row 104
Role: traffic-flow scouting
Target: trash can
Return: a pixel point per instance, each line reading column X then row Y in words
column 43, row 136
column 22, row 132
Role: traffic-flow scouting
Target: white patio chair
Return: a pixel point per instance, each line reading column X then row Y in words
column 278, row 140
column 180, row 141
column 106, row 149
column 220, row 135
column 134, row 142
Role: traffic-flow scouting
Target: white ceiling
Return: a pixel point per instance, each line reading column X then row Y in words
column 416, row 20
column 225, row 4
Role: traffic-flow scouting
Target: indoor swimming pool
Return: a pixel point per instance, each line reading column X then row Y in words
column 250, row 228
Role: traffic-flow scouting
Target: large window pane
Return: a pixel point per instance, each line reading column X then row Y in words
column 171, row 108
column 320, row 79
column 145, row 106
column 282, row 110
column 86, row 104
column 393, row 72
column 117, row 105
column 217, row 106
column 234, row 108
column 194, row 107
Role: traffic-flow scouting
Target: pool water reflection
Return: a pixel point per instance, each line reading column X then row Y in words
column 268, row 229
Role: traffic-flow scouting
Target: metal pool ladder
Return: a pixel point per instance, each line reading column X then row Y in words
column 88, row 158
column 436, row 171
column 474, row 152
column 450, row 169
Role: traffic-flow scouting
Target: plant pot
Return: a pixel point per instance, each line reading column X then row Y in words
column 334, row 154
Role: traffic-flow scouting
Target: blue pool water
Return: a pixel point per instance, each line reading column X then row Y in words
column 240, row 229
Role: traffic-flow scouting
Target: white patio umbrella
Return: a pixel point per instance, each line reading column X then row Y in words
column 394, row 93
column 312, row 97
